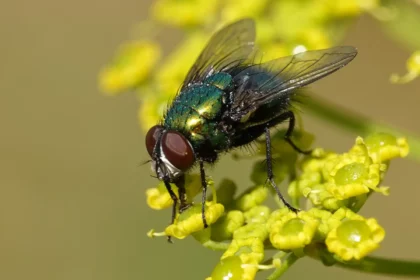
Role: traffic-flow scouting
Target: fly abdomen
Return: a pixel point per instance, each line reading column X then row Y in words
column 253, row 84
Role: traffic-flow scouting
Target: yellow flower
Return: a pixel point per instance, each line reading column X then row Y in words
column 253, row 197
column 190, row 221
column 132, row 65
column 254, row 230
column 311, row 183
column 354, row 173
column 354, row 237
column 383, row 147
column 257, row 214
column 321, row 197
column 292, row 17
column 348, row 8
column 355, row 179
column 311, row 176
column 332, row 180
column 229, row 268
column 369, row 5
column 158, row 198
column 250, row 251
column 323, row 217
column 342, row 8
column 413, row 67
column 237, row 9
column 226, row 225
column 184, row 13
column 289, row 230
column 413, row 63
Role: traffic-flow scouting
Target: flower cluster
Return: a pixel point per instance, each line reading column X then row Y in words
column 333, row 186
column 331, row 181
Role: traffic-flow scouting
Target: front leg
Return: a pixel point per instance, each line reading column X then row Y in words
column 175, row 200
column 204, row 195
column 270, row 174
column 180, row 184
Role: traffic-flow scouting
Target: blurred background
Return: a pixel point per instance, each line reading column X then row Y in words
column 72, row 187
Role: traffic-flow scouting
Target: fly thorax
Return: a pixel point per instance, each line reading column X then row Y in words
column 221, row 80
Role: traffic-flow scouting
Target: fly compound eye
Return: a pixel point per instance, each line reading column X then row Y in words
column 177, row 150
column 152, row 137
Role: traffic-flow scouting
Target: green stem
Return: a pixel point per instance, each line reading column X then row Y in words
column 288, row 261
column 377, row 265
column 385, row 266
column 359, row 124
column 203, row 237
column 216, row 246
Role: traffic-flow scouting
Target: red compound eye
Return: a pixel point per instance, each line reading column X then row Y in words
column 152, row 137
column 177, row 150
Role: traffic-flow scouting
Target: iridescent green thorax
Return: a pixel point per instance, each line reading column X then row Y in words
column 196, row 112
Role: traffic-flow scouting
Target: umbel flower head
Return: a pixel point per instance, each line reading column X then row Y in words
column 332, row 181
column 228, row 268
column 334, row 186
column 352, row 236
column 159, row 198
column 289, row 230
column 132, row 65
column 190, row 220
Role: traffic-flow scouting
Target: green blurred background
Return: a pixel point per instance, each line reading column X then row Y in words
column 72, row 190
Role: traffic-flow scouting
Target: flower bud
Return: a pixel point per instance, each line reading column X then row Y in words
column 191, row 221
column 352, row 236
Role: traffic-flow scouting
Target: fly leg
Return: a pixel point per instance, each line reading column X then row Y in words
column 175, row 200
column 204, row 195
column 254, row 132
column 270, row 174
column 180, row 183
column 291, row 116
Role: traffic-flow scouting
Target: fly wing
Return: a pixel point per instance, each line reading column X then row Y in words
column 261, row 84
column 228, row 48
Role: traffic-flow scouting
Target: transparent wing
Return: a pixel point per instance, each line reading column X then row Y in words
column 228, row 48
column 274, row 79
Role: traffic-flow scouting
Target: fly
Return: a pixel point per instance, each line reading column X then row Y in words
column 228, row 100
